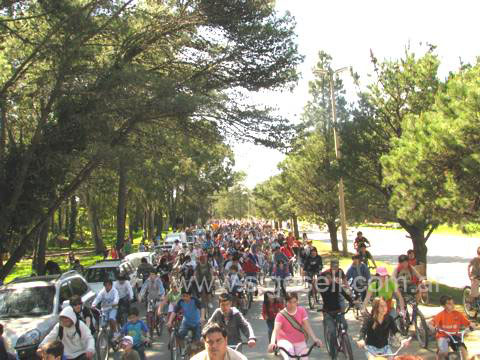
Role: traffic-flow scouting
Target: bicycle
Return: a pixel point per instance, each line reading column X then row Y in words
column 392, row 354
column 238, row 347
column 105, row 341
column 415, row 317
column 342, row 340
column 456, row 342
column 294, row 356
column 155, row 322
column 175, row 351
column 313, row 298
column 471, row 309
column 251, row 287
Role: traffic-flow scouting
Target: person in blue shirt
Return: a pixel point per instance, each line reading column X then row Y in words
column 137, row 329
column 193, row 317
column 358, row 276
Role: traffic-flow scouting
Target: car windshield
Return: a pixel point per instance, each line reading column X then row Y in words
column 31, row 301
column 100, row 274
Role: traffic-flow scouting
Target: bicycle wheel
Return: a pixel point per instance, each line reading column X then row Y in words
column 159, row 320
column 347, row 347
column 327, row 341
column 150, row 322
column 401, row 325
column 102, row 345
column 468, row 307
column 421, row 329
column 311, row 300
column 250, row 300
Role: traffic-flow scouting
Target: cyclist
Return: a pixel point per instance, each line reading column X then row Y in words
column 83, row 313
column 251, row 267
column 78, row 341
column 271, row 306
column 313, row 265
column 449, row 320
column 144, row 269
column 360, row 240
column 292, row 329
column 332, row 293
column 474, row 276
column 164, row 268
column 203, row 278
column 108, row 297
column 407, row 277
column 384, row 287
column 125, row 294
column 153, row 286
column 215, row 339
column 365, row 255
column 376, row 330
column 193, row 316
column 358, row 276
column 138, row 331
column 233, row 321
column 281, row 275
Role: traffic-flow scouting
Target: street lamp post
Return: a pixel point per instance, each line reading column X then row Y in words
column 338, row 155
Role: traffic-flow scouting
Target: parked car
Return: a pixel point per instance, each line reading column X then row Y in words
column 30, row 306
column 111, row 269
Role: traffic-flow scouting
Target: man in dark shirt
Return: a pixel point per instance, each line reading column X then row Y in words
column 332, row 293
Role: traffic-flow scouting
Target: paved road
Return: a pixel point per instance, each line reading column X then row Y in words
column 159, row 350
column 445, row 252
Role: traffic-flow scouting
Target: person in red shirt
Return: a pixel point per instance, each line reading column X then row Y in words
column 290, row 239
column 113, row 253
column 270, row 308
column 288, row 252
column 452, row 321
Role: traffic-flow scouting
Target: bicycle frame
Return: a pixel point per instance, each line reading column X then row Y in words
column 453, row 342
column 298, row 357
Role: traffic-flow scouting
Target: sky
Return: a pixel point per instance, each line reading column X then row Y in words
column 347, row 30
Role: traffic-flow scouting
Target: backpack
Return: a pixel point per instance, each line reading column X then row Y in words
column 77, row 330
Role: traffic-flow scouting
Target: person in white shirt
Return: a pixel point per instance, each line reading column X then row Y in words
column 109, row 298
column 125, row 294
column 75, row 336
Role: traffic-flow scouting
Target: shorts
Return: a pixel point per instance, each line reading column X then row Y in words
column 171, row 307
column 372, row 350
column 295, row 348
column 443, row 345
column 184, row 328
column 110, row 314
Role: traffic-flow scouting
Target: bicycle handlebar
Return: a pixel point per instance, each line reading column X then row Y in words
column 296, row 356
column 238, row 346
column 349, row 307
column 396, row 352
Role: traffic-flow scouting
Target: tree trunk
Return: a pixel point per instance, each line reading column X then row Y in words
column 295, row 227
column 38, row 262
column 67, row 218
column 419, row 240
column 159, row 222
column 275, row 224
column 72, row 228
column 60, row 220
column 151, row 224
column 332, row 230
column 94, row 224
column 122, row 202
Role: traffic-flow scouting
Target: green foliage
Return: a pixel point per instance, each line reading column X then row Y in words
column 434, row 170
column 233, row 202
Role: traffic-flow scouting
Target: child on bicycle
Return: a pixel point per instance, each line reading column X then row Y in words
column 452, row 321
column 137, row 329
column 281, row 275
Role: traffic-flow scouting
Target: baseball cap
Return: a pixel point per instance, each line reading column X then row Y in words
column 382, row 271
column 127, row 340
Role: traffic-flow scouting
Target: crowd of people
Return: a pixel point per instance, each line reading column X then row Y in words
column 234, row 256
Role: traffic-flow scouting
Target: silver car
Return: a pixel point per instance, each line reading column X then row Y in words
column 29, row 308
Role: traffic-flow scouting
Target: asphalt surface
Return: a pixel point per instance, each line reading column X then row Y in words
column 448, row 255
column 160, row 351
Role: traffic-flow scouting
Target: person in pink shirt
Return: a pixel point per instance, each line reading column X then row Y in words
column 292, row 328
